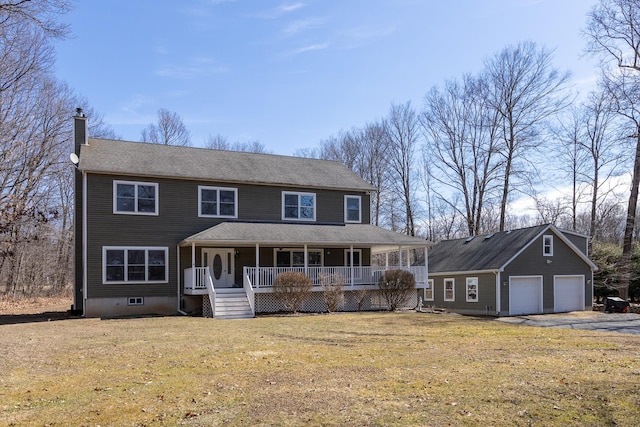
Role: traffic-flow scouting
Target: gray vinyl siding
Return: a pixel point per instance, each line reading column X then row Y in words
column 580, row 242
column 486, row 294
column 178, row 219
column 531, row 262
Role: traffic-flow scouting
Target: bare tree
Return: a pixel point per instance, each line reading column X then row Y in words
column 170, row 130
column 461, row 138
column 525, row 90
column 219, row 142
column 42, row 15
column 402, row 129
column 613, row 33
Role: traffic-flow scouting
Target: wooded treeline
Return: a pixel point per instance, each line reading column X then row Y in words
column 458, row 164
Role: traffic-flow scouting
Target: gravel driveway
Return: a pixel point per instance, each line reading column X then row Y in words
column 625, row 323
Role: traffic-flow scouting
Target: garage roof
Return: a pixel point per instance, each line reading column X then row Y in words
column 491, row 252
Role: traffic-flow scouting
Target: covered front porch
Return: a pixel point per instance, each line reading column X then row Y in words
column 248, row 257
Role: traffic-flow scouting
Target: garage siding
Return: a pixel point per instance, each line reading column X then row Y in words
column 530, row 262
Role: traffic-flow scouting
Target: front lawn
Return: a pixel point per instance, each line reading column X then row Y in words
column 344, row 369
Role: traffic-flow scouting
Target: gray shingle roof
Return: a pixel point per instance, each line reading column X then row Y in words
column 249, row 233
column 143, row 159
column 483, row 254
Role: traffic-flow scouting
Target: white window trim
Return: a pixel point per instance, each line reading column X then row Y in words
column 544, row 246
column 205, row 187
column 299, row 194
column 291, row 250
column 469, row 281
column 146, row 264
column 135, row 212
column 429, row 287
column 359, row 220
column 444, row 285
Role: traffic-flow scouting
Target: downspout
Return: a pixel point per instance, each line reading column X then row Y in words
column 84, row 243
column 179, row 281
column 306, row 261
column 498, row 284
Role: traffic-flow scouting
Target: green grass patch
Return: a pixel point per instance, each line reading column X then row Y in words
column 344, row 369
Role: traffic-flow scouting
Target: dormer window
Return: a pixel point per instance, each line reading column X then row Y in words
column 352, row 209
column 298, row 206
column 138, row 198
column 547, row 245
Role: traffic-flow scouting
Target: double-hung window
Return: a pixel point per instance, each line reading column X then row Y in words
column 472, row 289
column 135, row 264
column 298, row 206
column 428, row 291
column 547, row 245
column 352, row 209
column 138, row 198
column 449, row 290
column 219, row 202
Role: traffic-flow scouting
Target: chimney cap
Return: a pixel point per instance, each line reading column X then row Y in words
column 79, row 112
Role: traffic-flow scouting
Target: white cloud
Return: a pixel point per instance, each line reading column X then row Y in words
column 303, row 25
column 309, row 48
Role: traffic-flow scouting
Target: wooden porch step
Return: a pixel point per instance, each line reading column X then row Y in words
column 232, row 306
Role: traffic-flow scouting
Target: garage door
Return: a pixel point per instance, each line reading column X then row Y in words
column 568, row 293
column 525, row 295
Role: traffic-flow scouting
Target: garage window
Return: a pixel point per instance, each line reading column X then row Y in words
column 449, row 289
column 472, row 289
column 547, row 245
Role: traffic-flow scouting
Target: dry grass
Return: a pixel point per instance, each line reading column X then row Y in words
column 358, row 369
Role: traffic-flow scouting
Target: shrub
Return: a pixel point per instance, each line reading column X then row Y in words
column 396, row 286
column 292, row 289
column 333, row 289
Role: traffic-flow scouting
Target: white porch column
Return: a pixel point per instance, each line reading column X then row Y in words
column 408, row 257
column 400, row 256
column 257, row 265
column 306, row 261
column 386, row 260
column 193, row 264
column 426, row 264
column 351, row 261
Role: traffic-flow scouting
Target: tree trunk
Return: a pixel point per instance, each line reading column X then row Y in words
column 625, row 261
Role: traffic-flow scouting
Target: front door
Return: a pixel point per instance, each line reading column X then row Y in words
column 220, row 263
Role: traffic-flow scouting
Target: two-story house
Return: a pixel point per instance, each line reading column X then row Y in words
column 164, row 229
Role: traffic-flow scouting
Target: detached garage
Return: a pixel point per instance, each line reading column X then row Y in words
column 531, row 270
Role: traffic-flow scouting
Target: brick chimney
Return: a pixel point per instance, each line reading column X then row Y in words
column 80, row 130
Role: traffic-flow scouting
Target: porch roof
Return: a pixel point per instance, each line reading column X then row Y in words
column 238, row 233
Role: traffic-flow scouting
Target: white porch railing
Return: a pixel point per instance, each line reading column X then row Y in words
column 263, row 277
column 201, row 276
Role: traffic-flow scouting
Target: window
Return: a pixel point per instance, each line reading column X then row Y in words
column 449, row 290
column 547, row 245
column 217, row 202
column 134, row 265
column 135, row 197
column 428, row 291
column 352, row 209
column 472, row 289
column 299, row 206
column 295, row 257
column 135, row 301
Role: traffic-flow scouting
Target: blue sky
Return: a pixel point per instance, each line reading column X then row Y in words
column 292, row 73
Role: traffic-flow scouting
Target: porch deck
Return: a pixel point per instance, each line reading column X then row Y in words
column 260, row 279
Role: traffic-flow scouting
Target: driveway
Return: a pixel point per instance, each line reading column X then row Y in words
column 624, row 323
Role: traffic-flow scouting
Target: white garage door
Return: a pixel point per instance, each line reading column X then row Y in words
column 568, row 293
column 525, row 295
